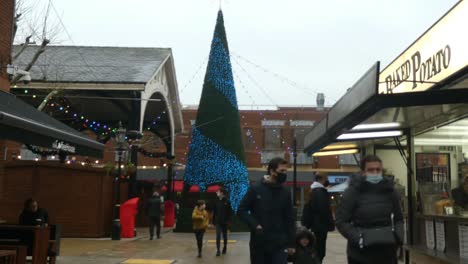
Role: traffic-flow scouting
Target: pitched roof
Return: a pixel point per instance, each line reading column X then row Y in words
column 94, row 64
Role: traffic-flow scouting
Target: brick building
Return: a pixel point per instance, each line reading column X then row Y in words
column 267, row 134
column 7, row 8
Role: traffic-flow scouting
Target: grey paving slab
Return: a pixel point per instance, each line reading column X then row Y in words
column 173, row 246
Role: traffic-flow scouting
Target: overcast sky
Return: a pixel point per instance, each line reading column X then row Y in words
column 315, row 46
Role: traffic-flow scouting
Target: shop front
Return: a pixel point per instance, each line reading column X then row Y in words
column 414, row 115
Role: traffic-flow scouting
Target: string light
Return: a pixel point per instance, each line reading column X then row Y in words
column 208, row 161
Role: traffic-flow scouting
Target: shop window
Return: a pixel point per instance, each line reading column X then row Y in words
column 249, row 139
column 299, row 134
column 272, row 138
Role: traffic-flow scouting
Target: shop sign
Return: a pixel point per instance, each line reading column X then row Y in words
column 435, row 56
column 60, row 145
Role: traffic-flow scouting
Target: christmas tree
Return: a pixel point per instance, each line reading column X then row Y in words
column 216, row 153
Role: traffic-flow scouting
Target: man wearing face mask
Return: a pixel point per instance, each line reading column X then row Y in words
column 369, row 216
column 267, row 210
column 317, row 215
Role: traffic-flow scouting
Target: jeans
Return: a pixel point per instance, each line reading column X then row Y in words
column 221, row 228
column 259, row 256
column 321, row 244
column 199, row 236
column 154, row 220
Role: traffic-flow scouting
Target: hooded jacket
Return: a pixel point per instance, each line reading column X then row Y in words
column 222, row 211
column 269, row 204
column 153, row 208
column 305, row 255
column 317, row 215
column 367, row 205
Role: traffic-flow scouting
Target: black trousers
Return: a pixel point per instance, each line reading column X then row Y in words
column 199, row 236
column 321, row 244
column 221, row 229
column 259, row 256
column 154, row 220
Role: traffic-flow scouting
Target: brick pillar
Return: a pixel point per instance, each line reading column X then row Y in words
column 7, row 9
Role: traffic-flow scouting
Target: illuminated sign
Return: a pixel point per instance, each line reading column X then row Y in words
column 436, row 55
column 60, row 145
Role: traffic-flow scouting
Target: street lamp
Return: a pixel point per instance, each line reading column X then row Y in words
column 120, row 135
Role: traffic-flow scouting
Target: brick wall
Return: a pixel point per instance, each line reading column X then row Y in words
column 80, row 198
column 253, row 121
column 6, row 25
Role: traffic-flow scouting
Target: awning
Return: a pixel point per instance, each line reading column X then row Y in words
column 23, row 123
column 364, row 105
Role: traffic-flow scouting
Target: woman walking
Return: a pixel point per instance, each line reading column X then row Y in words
column 200, row 223
column 369, row 216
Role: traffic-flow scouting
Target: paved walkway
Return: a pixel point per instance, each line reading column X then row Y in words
column 172, row 248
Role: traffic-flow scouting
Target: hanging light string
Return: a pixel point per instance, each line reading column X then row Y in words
column 281, row 77
column 262, row 117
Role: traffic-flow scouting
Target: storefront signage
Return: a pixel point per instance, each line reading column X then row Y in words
column 435, row 56
column 463, row 240
column 60, row 145
column 430, row 239
column 440, row 235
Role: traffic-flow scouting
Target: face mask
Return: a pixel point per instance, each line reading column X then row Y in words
column 281, row 177
column 374, row 178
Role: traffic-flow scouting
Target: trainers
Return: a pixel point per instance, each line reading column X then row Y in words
column 199, row 255
column 218, row 253
column 224, row 250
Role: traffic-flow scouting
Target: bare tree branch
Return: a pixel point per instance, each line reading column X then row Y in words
column 46, row 99
column 23, row 47
column 38, row 53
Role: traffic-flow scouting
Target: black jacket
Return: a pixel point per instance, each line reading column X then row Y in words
column 40, row 217
column 222, row 211
column 269, row 205
column 366, row 205
column 317, row 215
column 305, row 255
column 153, row 207
column 460, row 197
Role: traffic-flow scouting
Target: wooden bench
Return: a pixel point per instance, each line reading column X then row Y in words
column 7, row 257
column 35, row 238
column 21, row 252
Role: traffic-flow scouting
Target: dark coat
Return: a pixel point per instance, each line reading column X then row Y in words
column 366, row 205
column 222, row 211
column 40, row 217
column 153, row 207
column 460, row 197
column 317, row 215
column 269, row 205
column 305, row 255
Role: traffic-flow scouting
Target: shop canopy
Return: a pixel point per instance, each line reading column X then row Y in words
column 424, row 87
column 376, row 112
column 23, row 123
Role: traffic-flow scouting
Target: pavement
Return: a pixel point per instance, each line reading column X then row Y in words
column 172, row 248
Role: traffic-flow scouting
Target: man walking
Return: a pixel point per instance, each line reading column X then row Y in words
column 153, row 211
column 317, row 215
column 221, row 217
column 267, row 210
